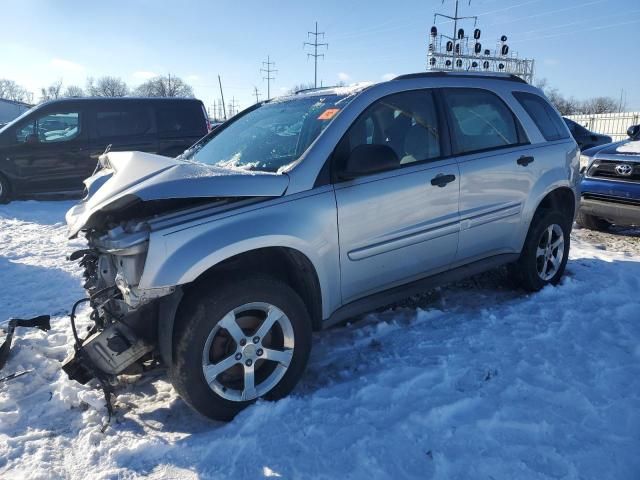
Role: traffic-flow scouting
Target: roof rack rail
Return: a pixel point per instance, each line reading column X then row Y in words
column 314, row 88
column 494, row 75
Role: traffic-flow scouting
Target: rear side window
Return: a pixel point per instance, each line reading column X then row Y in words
column 181, row 119
column 123, row 122
column 543, row 115
column 480, row 120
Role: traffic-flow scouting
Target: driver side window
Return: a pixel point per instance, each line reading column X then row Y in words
column 407, row 122
column 50, row 128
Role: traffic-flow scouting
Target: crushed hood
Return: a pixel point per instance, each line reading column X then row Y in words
column 125, row 177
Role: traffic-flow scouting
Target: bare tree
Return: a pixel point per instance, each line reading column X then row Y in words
column 299, row 87
column 566, row 106
column 599, row 105
column 73, row 91
column 107, row 87
column 165, row 86
column 51, row 92
column 10, row 90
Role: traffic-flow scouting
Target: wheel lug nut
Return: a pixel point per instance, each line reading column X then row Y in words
column 238, row 356
column 256, row 339
column 248, row 363
column 243, row 342
column 259, row 352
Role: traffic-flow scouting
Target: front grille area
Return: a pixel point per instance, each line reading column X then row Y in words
column 607, row 169
column 612, row 199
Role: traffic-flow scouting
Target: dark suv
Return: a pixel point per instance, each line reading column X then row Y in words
column 53, row 147
column 585, row 138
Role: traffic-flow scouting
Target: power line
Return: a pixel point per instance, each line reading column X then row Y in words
column 269, row 71
column 545, row 13
column 315, row 53
column 233, row 107
column 582, row 30
column 257, row 94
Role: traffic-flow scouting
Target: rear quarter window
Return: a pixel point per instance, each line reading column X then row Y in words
column 543, row 115
column 181, row 119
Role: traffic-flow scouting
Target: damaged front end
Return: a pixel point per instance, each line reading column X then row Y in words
column 131, row 197
column 124, row 330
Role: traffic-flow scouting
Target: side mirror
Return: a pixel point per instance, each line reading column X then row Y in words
column 369, row 159
column 634, row 132
column 32, row 139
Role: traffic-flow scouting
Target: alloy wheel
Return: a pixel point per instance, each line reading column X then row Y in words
column 550, row 252
column 248, row 352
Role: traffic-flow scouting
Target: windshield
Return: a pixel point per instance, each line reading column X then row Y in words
column 271, row 136
column 16, row 120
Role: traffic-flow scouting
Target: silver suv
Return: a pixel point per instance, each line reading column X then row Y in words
column 307, row 210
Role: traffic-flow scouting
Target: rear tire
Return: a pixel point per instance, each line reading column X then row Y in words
column 226, row 356
column 592, row 223
column 545, row 253
column 5, row 190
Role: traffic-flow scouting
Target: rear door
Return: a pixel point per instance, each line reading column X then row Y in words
column 399, row 225
column 497, row 171
column 126, row 125
column 181, row 123
column 48, row 148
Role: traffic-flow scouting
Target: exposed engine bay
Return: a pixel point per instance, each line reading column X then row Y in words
column 124, row 328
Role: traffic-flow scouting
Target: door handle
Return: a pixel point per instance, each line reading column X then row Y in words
column 441, row 180
column 525, row 160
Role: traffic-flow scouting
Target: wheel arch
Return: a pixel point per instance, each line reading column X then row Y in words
column 561, row 198
column 284, row 263
column 558, row 197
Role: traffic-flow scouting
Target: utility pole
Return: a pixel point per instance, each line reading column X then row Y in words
column 233, row 107
column 257, row 94
column 268, row 71
column 222, row 95
column 316, row 35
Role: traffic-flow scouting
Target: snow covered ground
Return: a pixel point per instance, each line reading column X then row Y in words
column 471, row 381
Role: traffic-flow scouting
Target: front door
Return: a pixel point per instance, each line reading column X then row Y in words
column 48, row 151
column 401, row 224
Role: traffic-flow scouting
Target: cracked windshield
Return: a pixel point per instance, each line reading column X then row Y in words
column 270, row 136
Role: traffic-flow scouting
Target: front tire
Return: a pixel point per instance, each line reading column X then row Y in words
column 592, row 223
column 545, row 253
column 5, row 190
column 248, row 339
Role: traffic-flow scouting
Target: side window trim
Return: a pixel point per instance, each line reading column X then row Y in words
column 331, row 175
column 523, row 140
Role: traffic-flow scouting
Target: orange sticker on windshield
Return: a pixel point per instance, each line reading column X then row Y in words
column 328, row 114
